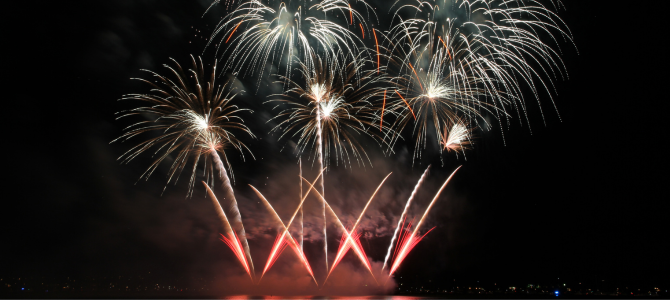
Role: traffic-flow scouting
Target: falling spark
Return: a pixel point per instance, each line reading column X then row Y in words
column 381, row 119
column 403, row 99
column 377, row 45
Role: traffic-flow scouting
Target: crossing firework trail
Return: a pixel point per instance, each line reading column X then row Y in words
column 285, row 234
column 285, row 231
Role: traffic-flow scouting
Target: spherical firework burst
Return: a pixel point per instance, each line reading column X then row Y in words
column 257, row 34
column 191, row 119
column 330, row 108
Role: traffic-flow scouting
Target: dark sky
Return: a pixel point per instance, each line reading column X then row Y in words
column 579, row 198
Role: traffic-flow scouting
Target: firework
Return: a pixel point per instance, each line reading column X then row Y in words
column 456, row 139
column 357, row 249
column 232, row 241
column 466, row 59
column 351, row 241
column 407, row 242
column 411, row 239
column 190, row 116
column 279, row 242
column 283, row 239
column 329, row 111
column 348, row 239
column 333, row 106
column 404, row 213
column 256, row 34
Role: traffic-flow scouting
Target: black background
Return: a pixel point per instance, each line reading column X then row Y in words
column 580, row 198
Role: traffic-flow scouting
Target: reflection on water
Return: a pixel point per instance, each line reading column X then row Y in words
column 249, row 297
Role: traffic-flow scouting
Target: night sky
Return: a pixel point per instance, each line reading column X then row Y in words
column 579, row 198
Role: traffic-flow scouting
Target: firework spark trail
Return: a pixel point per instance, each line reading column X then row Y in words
column 409, row 241
column 346, row 241
column 339, row 104
column 412, row 240
column 404, row 213
column 418, row 225
column 302, row 214
column 276, row 251
column 319, row 150
column 232, row 241
column 277, row 248
column 285, row 231
column 343, row 250
column 381, row 119
column 401, row 240
column 234, row 244
column 233, row 208
column 301, row 255
column 358, row 250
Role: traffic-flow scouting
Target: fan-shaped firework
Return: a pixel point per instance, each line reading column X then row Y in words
column 256, row 34
column 457, row 138
column 463, row 59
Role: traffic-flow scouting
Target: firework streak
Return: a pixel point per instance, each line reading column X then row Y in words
column 404, row 212
column 232, row 241
column 409, row 241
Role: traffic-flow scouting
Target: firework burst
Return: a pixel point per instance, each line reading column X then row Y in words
column 256, row 34
column 461, row 60
column 331, row 109
column 190, row 118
